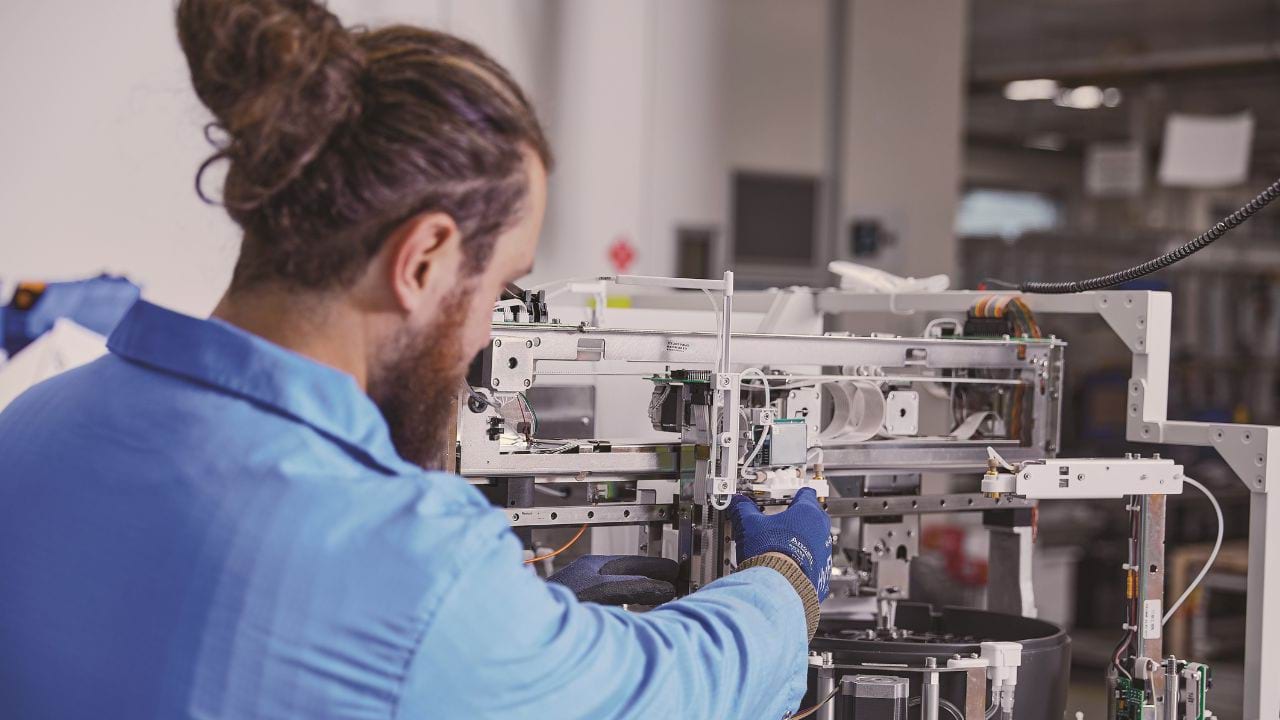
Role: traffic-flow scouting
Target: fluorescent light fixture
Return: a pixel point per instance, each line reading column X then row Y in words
column 1047, row 141
column 1085, row 97
column 1038, row 89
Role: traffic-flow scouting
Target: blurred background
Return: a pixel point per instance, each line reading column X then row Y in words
column 1007, row 139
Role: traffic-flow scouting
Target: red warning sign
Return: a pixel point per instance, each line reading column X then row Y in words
column 621, row 254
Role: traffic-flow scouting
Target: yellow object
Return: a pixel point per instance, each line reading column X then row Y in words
column 612, row 301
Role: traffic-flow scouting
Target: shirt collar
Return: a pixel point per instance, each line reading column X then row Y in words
column 218, row 354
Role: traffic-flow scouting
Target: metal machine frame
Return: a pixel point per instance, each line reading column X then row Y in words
column 520, row 353
column 1143, row 321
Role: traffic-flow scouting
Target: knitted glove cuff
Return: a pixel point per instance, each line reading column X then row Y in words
column 791, row 571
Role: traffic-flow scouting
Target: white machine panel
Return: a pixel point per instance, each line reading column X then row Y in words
column 1082, row 478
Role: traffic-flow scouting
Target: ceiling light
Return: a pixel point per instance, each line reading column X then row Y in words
column 1039, row 89
column 1047, row 141
column 1111, row 97
column 1085, row 97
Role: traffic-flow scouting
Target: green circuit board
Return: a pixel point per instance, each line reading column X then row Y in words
column 1195, row 682
column 1130, row 696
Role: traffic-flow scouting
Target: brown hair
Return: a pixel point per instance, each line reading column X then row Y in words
column 335, row 136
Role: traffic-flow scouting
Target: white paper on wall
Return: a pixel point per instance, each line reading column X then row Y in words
column 1202, row 151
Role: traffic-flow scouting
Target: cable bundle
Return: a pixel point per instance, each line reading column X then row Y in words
column 1013, row 307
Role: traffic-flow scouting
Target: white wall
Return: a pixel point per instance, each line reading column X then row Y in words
column 776, row 91
column 101, row 136
column 648, row 104
column 904, row 127
column 636, row 121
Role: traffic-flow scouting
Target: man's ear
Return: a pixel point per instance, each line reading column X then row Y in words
column 425, row 259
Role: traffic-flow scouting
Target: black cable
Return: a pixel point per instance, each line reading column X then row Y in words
column 814, row 708
column 1204, row 240
column 476, row 397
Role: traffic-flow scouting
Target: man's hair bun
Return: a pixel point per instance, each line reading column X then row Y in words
column 333, row 137
column 279, row 76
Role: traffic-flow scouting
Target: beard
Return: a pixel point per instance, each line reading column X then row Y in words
column 416, row 384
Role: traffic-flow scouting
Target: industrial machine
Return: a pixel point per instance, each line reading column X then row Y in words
column 770, row 396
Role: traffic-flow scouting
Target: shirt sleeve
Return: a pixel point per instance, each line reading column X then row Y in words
column 502, row 643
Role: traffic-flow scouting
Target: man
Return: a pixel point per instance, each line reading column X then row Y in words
column 227, row 518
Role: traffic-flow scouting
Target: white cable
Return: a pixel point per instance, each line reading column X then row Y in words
column 937, row 323
column 714, row 306
column 934, row 389
column 767, row 404
column 1217, row 545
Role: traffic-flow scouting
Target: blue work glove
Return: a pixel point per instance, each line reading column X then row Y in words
column 620, row 579
column 801, row 532
column 97, row 304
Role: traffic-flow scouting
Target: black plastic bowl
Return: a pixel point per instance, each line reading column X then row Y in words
column 941, row 634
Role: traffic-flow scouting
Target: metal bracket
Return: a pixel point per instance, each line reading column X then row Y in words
column 1126, row 313
column 902, row 412
column 892, row 541
column 511, row 365
column 603, row 514
column 1247, row 449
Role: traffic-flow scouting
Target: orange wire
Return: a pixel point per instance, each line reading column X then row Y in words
column 562, row 548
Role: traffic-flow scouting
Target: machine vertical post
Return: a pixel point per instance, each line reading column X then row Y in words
column 930, row 691
column 1262, row 636
column 1009, row 555
column 1150, row 582
column 825, row 685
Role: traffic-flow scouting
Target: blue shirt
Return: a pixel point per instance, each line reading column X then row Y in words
column 202, row 524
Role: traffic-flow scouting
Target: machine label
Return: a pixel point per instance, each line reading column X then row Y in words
column 1151, row 616
column 677, row 346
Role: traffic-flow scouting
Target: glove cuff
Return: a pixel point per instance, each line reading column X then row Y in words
column 791, row 571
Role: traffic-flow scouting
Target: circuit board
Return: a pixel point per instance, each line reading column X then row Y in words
column 1195, row 680
column 1130, row 697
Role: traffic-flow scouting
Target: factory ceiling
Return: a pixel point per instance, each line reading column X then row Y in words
column 1193, row 56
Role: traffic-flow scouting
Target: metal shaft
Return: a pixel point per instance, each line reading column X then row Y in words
column 931, row 691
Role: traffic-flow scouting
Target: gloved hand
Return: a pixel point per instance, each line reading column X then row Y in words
column 620, row 579
column 801, row 532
